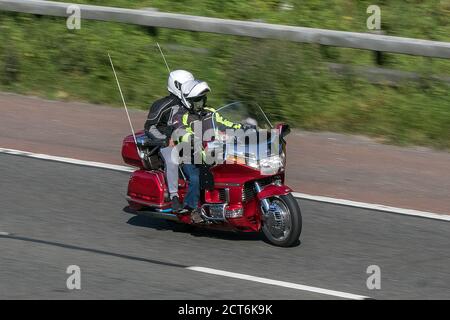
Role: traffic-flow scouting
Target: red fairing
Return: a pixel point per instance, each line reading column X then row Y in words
column 129, row 151
column 251, row 221
column 237, row 174
column 274, row 190
column 148, row 188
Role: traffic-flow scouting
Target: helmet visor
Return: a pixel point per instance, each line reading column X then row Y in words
column 198, row 103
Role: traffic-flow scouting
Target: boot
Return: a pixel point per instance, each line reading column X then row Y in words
column 176, row 205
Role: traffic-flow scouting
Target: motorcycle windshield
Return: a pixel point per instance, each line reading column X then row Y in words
column 258, row 147
column 246, row 113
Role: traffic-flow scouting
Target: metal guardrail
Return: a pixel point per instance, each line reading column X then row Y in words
column 354, row 40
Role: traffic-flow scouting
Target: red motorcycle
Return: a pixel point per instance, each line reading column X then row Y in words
column 248, row 193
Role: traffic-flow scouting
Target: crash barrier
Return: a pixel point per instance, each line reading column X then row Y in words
column 366, row 41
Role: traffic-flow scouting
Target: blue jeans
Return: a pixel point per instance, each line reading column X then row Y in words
column 193, row 193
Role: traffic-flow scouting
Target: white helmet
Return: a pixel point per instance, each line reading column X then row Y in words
column 194, row 94
column 176, row 79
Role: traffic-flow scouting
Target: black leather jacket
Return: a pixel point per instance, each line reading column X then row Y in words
column 159, row 119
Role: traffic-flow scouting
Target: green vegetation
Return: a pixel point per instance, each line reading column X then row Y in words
column 39, row 56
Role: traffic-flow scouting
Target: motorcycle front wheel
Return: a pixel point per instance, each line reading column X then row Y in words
column 283, row 224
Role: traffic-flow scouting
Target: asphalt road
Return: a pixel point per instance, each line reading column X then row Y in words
column 60, row 214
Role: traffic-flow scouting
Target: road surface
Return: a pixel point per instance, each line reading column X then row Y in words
column 54, row 215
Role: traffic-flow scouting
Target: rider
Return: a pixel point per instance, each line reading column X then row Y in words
column 159, row 127
column 194, row 97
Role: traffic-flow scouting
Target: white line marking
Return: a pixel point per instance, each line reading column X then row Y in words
column 279, row 283
column 371, row 206
column 67, row 160
column 4, row 233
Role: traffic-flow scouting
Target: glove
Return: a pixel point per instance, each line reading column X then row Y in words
column 246, row 127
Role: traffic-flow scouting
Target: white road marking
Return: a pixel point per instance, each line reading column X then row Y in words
column 371, row 206
column 4, row 233
column 279, row 283
column 67, row 160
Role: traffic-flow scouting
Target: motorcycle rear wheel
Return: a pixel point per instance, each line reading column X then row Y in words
column 283, row 226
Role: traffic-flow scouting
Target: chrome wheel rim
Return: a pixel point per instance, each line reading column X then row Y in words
column 278, row 222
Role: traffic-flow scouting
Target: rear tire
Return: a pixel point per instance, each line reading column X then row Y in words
column 292, row 222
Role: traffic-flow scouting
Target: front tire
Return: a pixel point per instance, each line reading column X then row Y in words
column 283, row 225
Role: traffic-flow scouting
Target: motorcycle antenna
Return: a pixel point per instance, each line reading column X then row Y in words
column 165, row 61
column 124, row 104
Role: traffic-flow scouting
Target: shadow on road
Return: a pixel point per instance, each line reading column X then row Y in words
column 164, row 225
column 90, row 250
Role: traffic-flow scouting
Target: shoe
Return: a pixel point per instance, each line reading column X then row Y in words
column 176, row 205
column 185, row 209
column 196, row 216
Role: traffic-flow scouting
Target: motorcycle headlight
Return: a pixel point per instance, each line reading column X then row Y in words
column 267, row 166
column 272, row 165
column 236, row 159
column 253, row 163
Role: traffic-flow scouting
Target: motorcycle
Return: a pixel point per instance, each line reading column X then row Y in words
column 248, row 192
